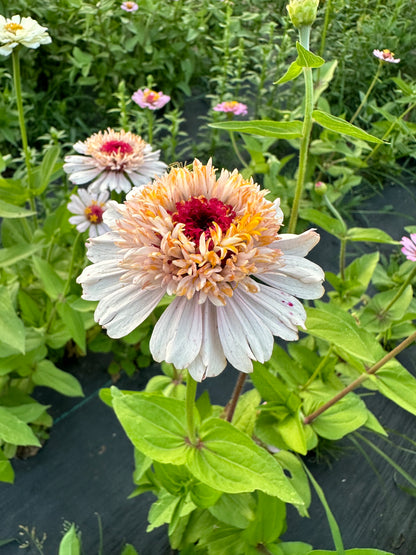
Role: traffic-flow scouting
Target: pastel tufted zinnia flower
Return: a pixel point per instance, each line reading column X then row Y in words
column 88, row 209
column 386, row 56
column 409, row 247
column 21, row 30
column 113, row 160
column 129, row 6
column 148, row 98
column 231, row 106
column 213, row 244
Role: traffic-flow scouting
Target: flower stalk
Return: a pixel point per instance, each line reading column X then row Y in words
column 367, row 94
column 19, row 101
column 399, row 293
column 230, row 408
column 356, row 383
column 304, row 35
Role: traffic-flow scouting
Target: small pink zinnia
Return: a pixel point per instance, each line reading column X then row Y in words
column 148, row 98
column 386, row 56
column 129, row 6
column 409, row 247
column 237, row 108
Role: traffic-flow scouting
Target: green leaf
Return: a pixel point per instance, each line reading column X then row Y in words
column 326, row 73
column 228, row 460
column 338, row 125
column 348, row 414
column 306, row 58
column 8, row 210
column 53, row 284
column 156, row 425
column 128, row 549
column 270, row 520
column 162, row 510
column 326, row 222
column 292, row 465
column 70, row 543
column 14, row 431
column 294, row 71
column 47, row 374
column 12, row 330
column 375, row 319
column 292, row 431
column 47, row 168
column 370, row 234
column 263, row 128
column 74, row 322
column 246, row 411
column 362, row 269
column 11, row 255
column 334, row 325
column 295, row 548
column 6, row 470
column 237, row 510
column 397, row 384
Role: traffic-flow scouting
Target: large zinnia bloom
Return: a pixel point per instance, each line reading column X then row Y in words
column 113, row 160
column 213, row 244
column 21, row 30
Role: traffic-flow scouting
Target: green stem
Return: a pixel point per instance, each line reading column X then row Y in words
column 399, row 293
column 190, row 406
column 318, row 368
column 304, row 34
column 367, row 94
column 343, row 249
column 325, row 28
column 150, row 120
column 236, row 150
column 19, row 101
column 389, row 130
column 353, row 385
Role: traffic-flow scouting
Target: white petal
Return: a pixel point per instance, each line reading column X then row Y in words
column 177, row 336
column 298, row 245
column 100, row 279
column 233, row 340
column 125, row 309
column 104, row 248
column 81, row 177
column 211, row 360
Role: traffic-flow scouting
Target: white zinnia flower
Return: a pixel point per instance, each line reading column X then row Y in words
column 113, row 160
column 89, row 209
column 21, row 30
column 214, row 245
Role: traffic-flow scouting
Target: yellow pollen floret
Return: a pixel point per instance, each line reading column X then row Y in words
column 13, row 27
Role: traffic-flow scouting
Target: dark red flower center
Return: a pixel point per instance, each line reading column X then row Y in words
column 94, row 213
column 199, row 214
column 116, row 146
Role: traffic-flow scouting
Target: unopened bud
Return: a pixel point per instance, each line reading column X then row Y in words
column 302, row 12
column 320, row 188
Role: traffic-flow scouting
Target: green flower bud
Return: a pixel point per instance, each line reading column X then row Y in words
column 320, row 188
column 302, row 12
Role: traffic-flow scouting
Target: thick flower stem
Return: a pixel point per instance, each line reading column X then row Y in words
column 150, row 122
column 367, row 94
column 304, row 34
column 190, row 406
column 19, row 102
column 353, row 385
column 235, row 396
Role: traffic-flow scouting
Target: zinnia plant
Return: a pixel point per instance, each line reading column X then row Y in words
column 88, row 209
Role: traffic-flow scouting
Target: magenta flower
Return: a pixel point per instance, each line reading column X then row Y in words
column 148, row 98
column 409, row 247
column 129, row 6
column 237, row 108
column 386, row 56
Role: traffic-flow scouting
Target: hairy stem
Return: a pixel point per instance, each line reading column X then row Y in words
column 367, row 94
